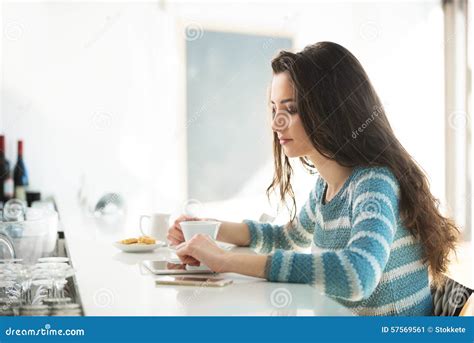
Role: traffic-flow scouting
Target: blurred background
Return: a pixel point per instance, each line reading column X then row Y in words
column 165, row 102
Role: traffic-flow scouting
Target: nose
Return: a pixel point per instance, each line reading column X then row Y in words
column 281, row 121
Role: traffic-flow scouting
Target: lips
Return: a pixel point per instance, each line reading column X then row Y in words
column 283, row 141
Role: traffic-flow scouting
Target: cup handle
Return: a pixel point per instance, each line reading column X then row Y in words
column 217, row 231
column 141, row 222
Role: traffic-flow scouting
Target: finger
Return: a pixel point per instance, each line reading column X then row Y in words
column 173, row 239
column 183, row 251
column 175, row 230
column 182, row 218
column 190, row 260
column 182, row 259
column 180, row 246
column 177, row 220
column 176, row 235
column 174, row 242
column 174, row 266
column 185, row 258
column 185, row 218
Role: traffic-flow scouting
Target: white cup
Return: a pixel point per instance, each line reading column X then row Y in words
column 205, row 227
column 157, row 227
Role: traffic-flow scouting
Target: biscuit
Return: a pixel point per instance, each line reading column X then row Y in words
column 129, row 241
column 146, row 240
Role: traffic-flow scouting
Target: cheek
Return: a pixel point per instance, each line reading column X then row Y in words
column 298, row 130
column 303, row 144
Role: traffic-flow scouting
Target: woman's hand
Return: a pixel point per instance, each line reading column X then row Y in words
column 203, row 249
column 175, row 234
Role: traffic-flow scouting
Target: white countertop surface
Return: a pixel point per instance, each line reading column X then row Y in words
column 114, row 283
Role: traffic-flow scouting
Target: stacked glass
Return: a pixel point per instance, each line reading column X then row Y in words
column 37, row 289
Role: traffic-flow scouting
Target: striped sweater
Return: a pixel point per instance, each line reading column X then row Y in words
column 361, row 254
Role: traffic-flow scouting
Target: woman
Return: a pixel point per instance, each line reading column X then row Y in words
column 374, row 228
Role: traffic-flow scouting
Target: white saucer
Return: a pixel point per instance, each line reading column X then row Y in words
column 138, row 247
column 222, row 245
column 225, row 246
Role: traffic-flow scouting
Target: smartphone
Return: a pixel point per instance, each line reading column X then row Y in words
column 163, row 267
column 193, row 281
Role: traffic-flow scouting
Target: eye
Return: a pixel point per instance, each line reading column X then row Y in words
column 273, row 112
column 292, row 109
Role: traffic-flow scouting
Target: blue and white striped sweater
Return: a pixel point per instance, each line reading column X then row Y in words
column 361, row 254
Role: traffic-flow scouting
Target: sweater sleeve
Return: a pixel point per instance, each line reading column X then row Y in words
column 296, row 235
column 351, row 273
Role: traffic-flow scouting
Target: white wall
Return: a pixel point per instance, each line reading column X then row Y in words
column 93, row 89
column 97, row 89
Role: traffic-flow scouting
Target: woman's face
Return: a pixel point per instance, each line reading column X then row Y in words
column 286, row 119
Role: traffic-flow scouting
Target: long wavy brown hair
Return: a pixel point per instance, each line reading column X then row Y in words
column 346, row 122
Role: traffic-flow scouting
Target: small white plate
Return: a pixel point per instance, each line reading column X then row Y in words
column 138, row 247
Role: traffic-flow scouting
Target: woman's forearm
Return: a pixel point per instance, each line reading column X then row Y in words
column 246, row 264
column 234, row 233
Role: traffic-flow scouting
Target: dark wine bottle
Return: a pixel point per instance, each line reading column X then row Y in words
column 6, row 182
column 20, row 174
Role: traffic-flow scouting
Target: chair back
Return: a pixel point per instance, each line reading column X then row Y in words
column 450, row 298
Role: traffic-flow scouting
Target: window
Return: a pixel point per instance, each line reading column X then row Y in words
column 228, row 133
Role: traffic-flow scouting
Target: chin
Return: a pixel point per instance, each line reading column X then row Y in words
column 291, row 154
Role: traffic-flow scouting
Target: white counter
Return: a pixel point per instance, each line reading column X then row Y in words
column 113, row 283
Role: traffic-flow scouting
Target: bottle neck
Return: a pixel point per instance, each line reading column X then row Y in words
column 20, row 150
column 2, row 146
